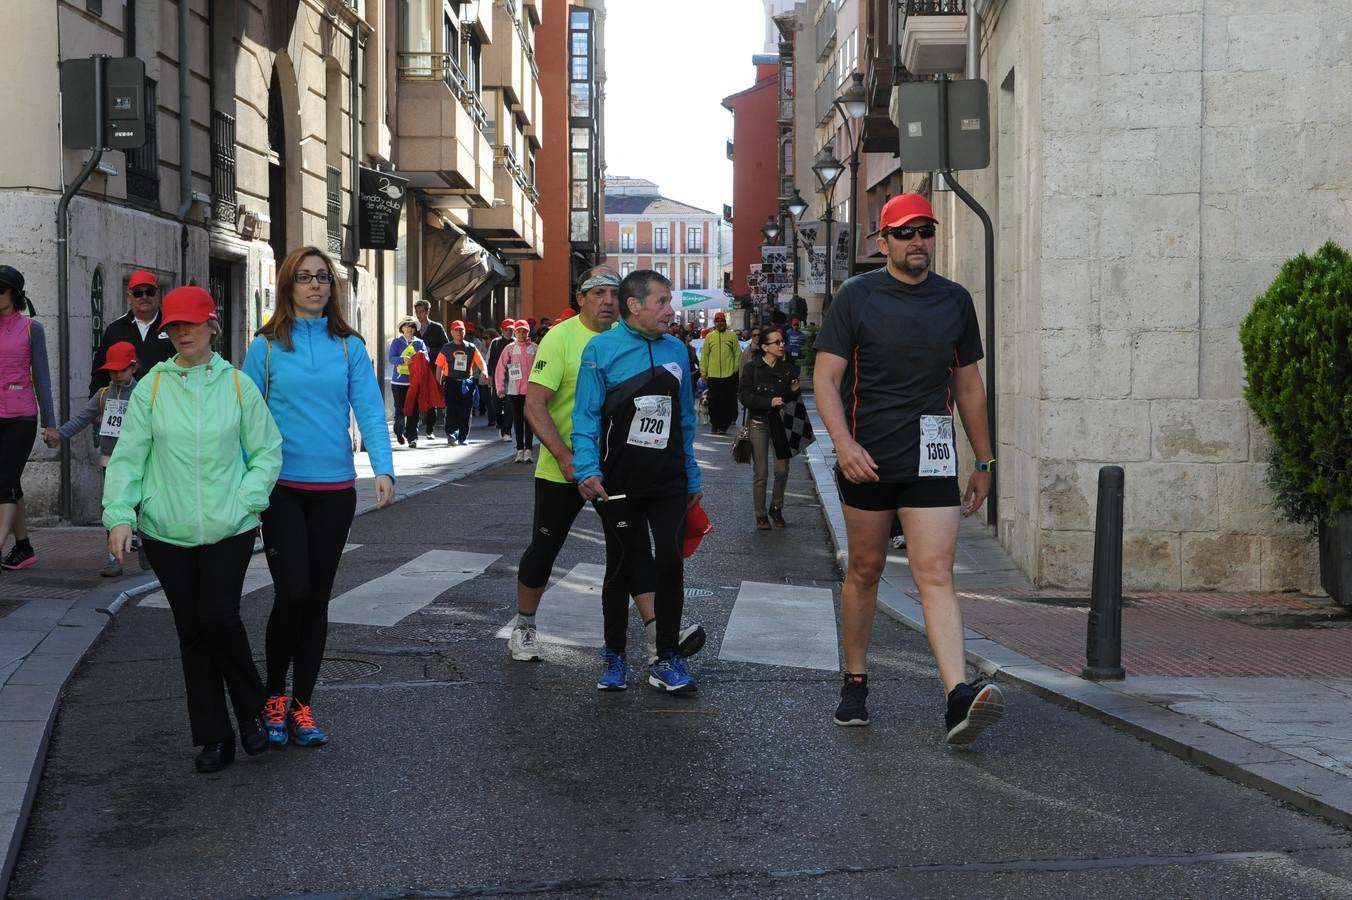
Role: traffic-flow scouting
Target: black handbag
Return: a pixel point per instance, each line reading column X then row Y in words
column 741, row 445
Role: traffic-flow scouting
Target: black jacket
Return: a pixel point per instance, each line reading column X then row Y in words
column 434, row 336
column 152, row 349
column 758, row 384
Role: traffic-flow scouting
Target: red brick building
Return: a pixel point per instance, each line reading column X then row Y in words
column 755, row 167
column 645, row 230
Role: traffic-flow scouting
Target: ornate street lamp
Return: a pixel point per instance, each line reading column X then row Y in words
column 852, row 104
column 770, row 229
column 827, row 169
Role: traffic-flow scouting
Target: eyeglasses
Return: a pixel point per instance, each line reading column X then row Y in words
column 306, row 277
column 774, row 343
column 142, row 293
column 906, row 232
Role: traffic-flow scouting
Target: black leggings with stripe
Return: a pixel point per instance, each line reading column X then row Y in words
column 630, row 560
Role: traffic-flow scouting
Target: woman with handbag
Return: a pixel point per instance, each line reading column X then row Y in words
column 767, row 382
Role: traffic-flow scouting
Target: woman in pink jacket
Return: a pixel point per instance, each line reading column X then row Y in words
column 510, row 379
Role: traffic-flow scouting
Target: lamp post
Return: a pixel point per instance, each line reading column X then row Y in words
column 795, row 206
column 827, row 169
column 771, row 229
column 852, row 104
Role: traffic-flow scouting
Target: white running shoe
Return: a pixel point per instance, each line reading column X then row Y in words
column 523, row 643
column 525, row 456
column 520, row 456
column 691, row 642
column 505, row 438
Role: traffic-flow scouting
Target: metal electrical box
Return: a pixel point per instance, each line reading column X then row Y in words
column 968, row 131
column 124, row 103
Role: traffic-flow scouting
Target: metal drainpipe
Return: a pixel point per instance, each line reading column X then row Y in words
column 63, row 283
column 184, row 139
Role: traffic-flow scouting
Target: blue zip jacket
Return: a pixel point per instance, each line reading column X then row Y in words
column 309, row 391
column 610, row 359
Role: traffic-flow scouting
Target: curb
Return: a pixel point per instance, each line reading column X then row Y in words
column 1303, row 785
column 73, row 628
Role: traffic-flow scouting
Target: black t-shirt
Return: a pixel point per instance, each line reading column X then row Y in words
column 900, row 343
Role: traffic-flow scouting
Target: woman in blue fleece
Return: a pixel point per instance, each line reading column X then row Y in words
column 312, row 369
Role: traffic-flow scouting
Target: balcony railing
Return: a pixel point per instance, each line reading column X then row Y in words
column 936, row 7
column 506, row 158
column 420, row 66
column 826, row 30
column 224, row 206
column 826, row 96
column 662, row 248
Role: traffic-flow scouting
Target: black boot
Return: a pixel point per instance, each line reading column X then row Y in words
column 253, row 737
column 215, row 756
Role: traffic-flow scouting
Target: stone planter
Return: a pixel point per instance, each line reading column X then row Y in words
column 1335, row 558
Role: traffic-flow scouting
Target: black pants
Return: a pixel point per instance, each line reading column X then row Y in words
column 524, row 439
column 303, row 536
column 405, row 425
column 722, row 402
column 458, row 406
column 501, row 413
column 16, row 443
column 631, row 562
column 430, row 422
column 556, row 506
column 202, row 585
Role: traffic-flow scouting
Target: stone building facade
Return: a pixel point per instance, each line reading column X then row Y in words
column 644, row 230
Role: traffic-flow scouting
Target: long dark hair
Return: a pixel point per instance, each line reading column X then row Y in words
column 278, row 327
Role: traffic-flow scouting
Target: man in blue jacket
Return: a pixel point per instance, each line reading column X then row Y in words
column 633, row 387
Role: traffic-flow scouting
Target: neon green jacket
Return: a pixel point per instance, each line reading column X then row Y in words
column 199, row 454
column 721, row 355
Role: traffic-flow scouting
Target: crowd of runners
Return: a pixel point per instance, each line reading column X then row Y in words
column 201, row 456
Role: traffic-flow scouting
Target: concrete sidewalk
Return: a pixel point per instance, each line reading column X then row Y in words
column 53, row 612
column 1257, row 687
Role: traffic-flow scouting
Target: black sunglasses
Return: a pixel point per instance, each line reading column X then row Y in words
column 142, row 293
column 773, row 343
column 906, row 232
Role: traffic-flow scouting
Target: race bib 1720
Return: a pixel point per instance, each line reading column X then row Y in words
column 651, row 426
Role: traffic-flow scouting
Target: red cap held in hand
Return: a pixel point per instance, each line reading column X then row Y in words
column 697, row 525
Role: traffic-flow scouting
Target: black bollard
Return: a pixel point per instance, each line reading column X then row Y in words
column 1103, row 646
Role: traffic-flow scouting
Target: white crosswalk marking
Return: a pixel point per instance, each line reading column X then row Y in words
column 570, row 611
column 388, row 599
column 782, row 625
column 255, row 577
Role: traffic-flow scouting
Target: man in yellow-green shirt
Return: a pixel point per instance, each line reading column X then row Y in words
column 718, row 362
column 549, row 409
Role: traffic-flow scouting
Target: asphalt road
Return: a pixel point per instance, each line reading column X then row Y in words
column 454, row 771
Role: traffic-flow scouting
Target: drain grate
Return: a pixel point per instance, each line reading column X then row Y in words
column 338, row 669
column 41, row 592
column 430, row 634
column 692, row 593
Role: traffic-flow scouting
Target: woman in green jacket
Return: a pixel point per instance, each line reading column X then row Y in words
column 199, row 454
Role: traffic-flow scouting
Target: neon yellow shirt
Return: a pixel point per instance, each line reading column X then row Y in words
column 556, row 363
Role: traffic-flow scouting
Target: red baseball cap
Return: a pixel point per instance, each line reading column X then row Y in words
column 120, row 355
column 190, row 304
column 719, row 315
column 507, row 324
column 905, row 208
column 795, row 321
column 457, row 324
column 696, row 527
column 141, row 277
column 521, row 323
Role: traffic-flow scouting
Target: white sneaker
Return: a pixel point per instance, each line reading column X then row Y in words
column 525, row 456
column 506, row 438
column 691, row 642
column 523, row 644
column 520, row 456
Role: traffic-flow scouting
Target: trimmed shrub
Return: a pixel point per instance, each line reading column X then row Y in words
column 1297, row 343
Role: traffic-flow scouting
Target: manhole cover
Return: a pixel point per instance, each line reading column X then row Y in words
column 431, row 634
column 336, row 669
column 692, row 593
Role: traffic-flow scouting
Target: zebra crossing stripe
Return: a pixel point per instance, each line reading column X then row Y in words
column 387, row 600
column 255, row 577
column 570, row 611
column 782, row 625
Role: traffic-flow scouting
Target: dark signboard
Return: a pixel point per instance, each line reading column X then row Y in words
column 124, row 108
column 381, row 197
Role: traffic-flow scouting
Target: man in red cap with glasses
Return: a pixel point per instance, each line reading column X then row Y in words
column 140, row 327
column 897, row 348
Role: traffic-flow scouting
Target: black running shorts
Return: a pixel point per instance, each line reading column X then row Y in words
column 914, row 493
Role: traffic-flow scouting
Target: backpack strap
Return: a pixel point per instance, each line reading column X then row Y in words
column 238, row 393
column 154, row 389
column 103, row 399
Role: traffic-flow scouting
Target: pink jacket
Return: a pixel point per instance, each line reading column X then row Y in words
column 515, row 353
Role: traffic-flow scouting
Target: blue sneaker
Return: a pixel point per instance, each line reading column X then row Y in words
column 274, row 720
column 304, row 732
column 672, row 676
column 616, row 675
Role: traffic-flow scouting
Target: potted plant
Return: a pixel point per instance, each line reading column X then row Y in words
column 1297, row 344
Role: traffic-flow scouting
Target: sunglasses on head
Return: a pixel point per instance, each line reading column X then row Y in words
column 307, row 277
column 143, row 292
column 906, row 232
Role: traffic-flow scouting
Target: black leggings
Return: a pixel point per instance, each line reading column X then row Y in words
column 202, row 585
column 524, row 439
column 16, row 443
column 630, row 561
column 303, row 536
column 556, row 506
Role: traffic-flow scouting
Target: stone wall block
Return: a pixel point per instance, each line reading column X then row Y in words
column 1245, row 501
column 1150, row 561
column 1150, row 44
column 1150, row 100
column 1274, row 39
column 1149, row 226
column 1242, row 98
column 1074, row 55
column 1112, row 431
column 1069, row 228
column 1068, row 103
column 1200, row 430
column 1164, row 364
column 1221, row 562
column 1230, row 286
column 1260, row 442
column 1290, row 563
column 1170, row 497
column 1065, row 559
column 1166, row 299
column 1069, row 289
column 1070, row 13
column 1222, row 364
column 1085, row 363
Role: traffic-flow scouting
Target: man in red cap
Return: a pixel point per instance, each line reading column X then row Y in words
column 499, row 409
column 896, row 348
column 458, row 364
column 140, row 326
column 719, row 360
column 793, row 341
